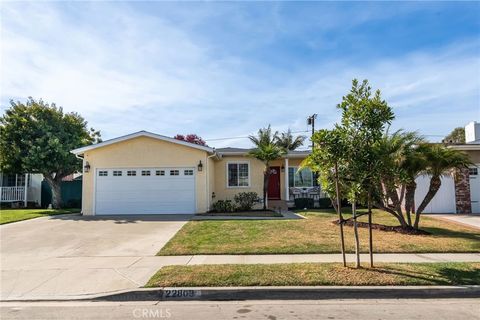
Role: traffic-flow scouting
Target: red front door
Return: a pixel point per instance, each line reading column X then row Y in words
column 274, row 184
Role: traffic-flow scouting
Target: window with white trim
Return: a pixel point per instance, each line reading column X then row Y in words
column 188, row 172
column 300, row 178
column 145, row 172
column 160, row 172
column 131, row 173
column 174, row 172
column 473, row 171
column 117, row 173
column 103, row 173
column 238, row 174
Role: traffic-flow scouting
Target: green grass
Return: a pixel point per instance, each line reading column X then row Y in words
column 316, row 234
column 317, row 274
column 14, row 215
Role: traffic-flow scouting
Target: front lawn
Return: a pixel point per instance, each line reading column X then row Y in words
column 316, row 234
column 14, row 215
column 317, row 274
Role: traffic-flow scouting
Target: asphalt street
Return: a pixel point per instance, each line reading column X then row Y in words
column 393, row 309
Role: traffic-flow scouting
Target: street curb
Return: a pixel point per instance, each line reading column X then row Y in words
column 293, row 293
column 279, row 293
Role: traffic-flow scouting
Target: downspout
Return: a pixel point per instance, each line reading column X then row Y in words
column 207, row 178
column 83, row 160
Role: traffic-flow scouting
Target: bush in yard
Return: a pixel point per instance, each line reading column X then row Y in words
column 246, row 200
column 302, row 203
column 325, row 203
column 223, row 206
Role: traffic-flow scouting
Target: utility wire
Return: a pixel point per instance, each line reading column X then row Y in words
column 244, row 137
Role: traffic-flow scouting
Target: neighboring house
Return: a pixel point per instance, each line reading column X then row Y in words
column 146, row 173
column 459, row 193
column 13, row 190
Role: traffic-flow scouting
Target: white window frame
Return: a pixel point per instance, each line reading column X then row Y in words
column 145, row 173
column 131, row 173
column 296, row 169
column 103, row 173
column 160, row 173
column 177, row 171
column 237, row 163
column 190, row 172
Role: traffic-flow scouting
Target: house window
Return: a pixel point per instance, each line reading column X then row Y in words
column 160, row 172
column 103, row 173
column 300, row 178
column 145, row 172
column 174, row 172
column 117, row 173
column 188, row 172
column 473, row 171
column 238, row 174
column 131, row 173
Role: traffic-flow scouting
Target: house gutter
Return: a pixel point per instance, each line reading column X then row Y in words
column 207, row 176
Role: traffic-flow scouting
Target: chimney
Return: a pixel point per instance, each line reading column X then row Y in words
column 472, row 133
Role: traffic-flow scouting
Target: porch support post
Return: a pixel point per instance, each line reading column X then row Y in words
column 26, row 188
column 287, row 189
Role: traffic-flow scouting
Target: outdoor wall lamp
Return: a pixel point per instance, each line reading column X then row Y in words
column 283, row 168
column 200, row 166
column 86, row 168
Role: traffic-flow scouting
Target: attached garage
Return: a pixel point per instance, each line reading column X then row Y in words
column 146, row 173
column 144, row 191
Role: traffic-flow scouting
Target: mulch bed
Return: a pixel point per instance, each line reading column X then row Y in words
column 383, row 227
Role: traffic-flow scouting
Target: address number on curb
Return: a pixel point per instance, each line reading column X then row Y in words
column 180, row 293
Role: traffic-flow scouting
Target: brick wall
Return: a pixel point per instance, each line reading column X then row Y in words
column 462, row 191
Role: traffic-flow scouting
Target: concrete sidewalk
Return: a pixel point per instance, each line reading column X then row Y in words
column 303, row 258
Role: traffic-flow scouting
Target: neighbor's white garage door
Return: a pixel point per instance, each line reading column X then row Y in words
column 144, row 191
column 475, row 188
column 443, row 201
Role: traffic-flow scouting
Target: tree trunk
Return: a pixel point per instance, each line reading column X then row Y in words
column 338, row 207
column 409, row 200
column 54, row 184
column 435, row 184
column 266, row 178
column 355, row 231
column 370, row 235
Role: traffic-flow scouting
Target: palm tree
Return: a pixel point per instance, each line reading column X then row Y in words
column 398, row 153
column 440, row 161
column 266, row 150
column 288, row 142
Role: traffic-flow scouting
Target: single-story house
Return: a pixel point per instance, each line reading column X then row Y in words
column 147, row 173
column 460, row 192
column 21, row 188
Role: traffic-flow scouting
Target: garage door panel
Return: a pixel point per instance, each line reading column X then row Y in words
column 144, row 194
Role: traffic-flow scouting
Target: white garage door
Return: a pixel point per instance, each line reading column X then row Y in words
column 144, row 191
column 475, row 188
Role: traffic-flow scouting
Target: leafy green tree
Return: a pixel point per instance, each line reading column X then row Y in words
column 36, row 137
column 327, row 160
column 287, row 141
column 457, row 136
column 266, row 150
column 365, row 117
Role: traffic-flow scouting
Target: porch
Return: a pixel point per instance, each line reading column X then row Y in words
column 288, row 181
column 17, row 188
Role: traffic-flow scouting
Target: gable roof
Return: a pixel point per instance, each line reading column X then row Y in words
column 141, row 134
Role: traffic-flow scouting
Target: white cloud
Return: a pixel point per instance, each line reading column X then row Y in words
column 126, row 71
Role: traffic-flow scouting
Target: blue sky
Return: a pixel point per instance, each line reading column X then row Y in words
column 225, row 69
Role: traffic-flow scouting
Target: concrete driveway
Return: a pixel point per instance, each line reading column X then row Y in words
column 469, row 220
column 70, row 256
